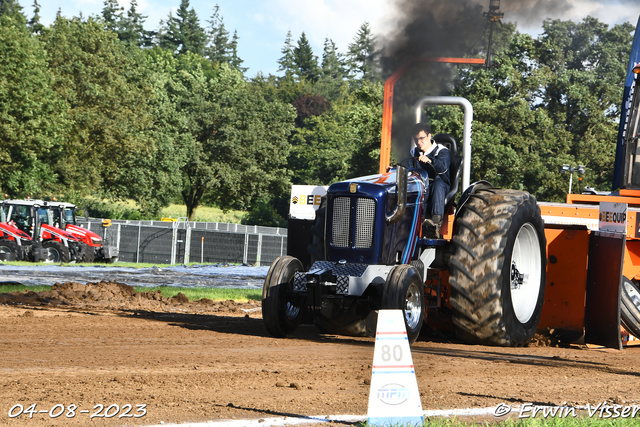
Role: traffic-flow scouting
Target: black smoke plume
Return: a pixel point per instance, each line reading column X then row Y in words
column 444, row 28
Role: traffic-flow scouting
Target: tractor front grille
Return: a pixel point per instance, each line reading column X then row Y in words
column 361, row 229
column 341, row 217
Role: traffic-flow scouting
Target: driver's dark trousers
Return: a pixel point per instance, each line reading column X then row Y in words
column 435, row 202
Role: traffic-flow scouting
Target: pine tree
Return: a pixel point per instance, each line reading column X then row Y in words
column 306, row 62
column 363, row 57
column 218, row 49
column 332, row 65
column 183, row 32
column 288, row 62
column 234, row 59
column 34, row 23
column 132, row 27
column 112, row 15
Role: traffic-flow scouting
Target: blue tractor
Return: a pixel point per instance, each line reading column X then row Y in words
column 366, row 252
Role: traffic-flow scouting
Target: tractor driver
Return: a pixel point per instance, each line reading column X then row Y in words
column 428, row 152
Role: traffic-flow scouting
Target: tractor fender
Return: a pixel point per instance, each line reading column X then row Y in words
column 472, row 189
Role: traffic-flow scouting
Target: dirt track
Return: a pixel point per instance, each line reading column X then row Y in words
column 202, row 361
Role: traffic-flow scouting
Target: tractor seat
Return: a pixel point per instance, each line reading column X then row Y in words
column 455, row 166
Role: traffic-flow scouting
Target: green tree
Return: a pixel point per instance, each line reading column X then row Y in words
column 332, row 64
column 32, row 116
column 306, row 62
column 131, row 30
column 155, row 177
column 550, row 101
column 219, row 45
column 235, row 141
column 331, row 83
column 362, row 57
column 112, row 15
column 343, row 142
column 34, row 23
column 235, row 60
column 10, row 7
column 287, row 62
column 220, row 48
column 105, row 91
column 183, row 33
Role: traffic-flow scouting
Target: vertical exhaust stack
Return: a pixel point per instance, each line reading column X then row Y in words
column 401, row 204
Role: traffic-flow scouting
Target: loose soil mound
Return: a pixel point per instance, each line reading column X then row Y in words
column 119, row 296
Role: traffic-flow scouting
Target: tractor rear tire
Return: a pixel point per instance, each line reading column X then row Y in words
column 10, row 247
column 56, row 252
column 630, row 307
column 498, row 269
column 403, row 291
column 282, row 308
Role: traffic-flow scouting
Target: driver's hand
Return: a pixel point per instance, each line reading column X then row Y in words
column 424, row 159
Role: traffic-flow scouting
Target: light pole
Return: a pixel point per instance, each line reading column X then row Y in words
column 566, row 168
column 492, row 16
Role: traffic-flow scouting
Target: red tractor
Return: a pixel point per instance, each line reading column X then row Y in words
column 15, row 244
column 34, row 220
column 64, row 217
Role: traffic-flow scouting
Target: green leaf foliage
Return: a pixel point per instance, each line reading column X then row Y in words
column 550, row 101
column 235, row 141
column 104, row 88
column 32, row 114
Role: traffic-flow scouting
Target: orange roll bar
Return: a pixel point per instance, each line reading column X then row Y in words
column 387, row 106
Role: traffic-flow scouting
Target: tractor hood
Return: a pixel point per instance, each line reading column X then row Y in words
column 365, row 220
column 82, row 232
column 9, row 230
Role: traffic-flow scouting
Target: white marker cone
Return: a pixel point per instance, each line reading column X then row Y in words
column 394, row 398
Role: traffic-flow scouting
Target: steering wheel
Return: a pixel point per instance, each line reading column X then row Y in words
column 431, row 170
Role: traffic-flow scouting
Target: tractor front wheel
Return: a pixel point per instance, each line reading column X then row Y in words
column 281, row 306
column 403, row 291
column 55, row 252
column 498, row 269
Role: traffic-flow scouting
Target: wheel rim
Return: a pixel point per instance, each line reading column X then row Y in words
column 632, row 292
column 413, row 306
column 52, row 255
column 5, row 250
column 525, row 275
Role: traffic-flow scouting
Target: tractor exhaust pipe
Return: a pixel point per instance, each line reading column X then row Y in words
column 401, row 204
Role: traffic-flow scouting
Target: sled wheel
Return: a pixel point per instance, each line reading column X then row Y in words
column 630, row 307
column 11, row 248
column 55, row 252
column 403, row 291
column 498, row 269
column 281, row 306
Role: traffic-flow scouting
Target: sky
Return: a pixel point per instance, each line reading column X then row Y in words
column 262, row 25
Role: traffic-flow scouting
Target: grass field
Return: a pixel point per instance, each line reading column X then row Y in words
column 129, row 209
column 215, row 294
column 203, row 214
column 537, row 422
